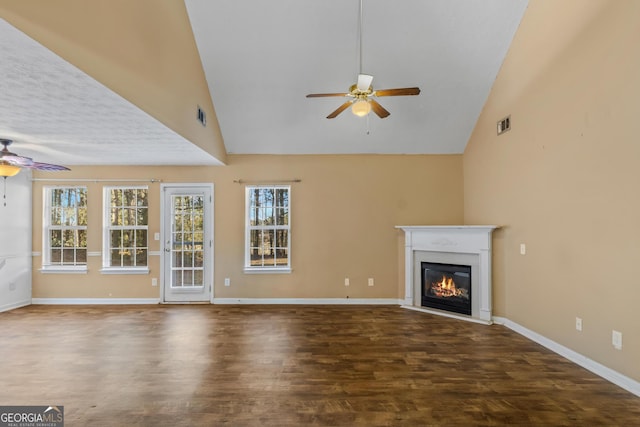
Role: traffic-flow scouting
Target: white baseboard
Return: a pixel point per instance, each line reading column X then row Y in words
column 310, row 301
column 608, row 374
column 93, row 301
column 14, row 305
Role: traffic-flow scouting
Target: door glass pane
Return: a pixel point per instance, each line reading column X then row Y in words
column 198, row 259
column 176, row 278
column 187, row 240
column 177, row 259
column 198, row 278
column 188, row 259
column 187, row 278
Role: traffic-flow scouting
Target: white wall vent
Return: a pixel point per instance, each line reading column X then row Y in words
column 504, row 125
column 202, row 117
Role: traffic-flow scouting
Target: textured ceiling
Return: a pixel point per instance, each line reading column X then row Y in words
column 55, row 113
column 262, row 58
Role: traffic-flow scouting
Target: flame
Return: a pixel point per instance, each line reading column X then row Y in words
column 446, row 288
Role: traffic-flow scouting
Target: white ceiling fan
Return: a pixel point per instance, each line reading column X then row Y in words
column 361, row 95
column 11, row 164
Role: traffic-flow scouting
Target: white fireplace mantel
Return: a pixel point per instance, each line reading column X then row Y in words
column 454, row 240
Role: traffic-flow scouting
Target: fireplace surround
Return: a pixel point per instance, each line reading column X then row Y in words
column 465, row 245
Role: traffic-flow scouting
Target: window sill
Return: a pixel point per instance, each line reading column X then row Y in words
column 64, row 270
column 267, row 270
column 133, row 270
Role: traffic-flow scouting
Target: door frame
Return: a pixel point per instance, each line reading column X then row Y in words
column 210, row 275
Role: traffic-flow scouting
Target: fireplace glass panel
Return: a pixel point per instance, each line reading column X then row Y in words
column 446, row 287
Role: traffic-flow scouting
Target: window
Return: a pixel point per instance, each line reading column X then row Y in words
column 65, row 228
column 125, row 229
column 268, row 236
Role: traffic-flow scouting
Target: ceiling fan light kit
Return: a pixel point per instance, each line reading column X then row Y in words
column 7, row 169
column 361, row 108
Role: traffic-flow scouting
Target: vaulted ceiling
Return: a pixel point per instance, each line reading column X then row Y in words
column 260, row 59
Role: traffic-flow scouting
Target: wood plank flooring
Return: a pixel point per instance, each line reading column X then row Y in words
column 292, row 366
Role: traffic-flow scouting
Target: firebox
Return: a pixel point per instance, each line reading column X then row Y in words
column 446, row 287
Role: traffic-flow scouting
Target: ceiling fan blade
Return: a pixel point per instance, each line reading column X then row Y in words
column 378, row 109
column 16, row 160
column 398, row 92
column 321, row 95
column 364, row 82
column 47, row 167
column 339, row 110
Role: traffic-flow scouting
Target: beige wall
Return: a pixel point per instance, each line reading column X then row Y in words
column 564, row 179
column 133, row 48
column 343, row 217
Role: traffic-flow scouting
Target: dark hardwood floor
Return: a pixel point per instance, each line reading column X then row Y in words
column 205, row 365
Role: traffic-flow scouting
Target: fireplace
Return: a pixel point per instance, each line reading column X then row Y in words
column 446, row 287
column 467, row 246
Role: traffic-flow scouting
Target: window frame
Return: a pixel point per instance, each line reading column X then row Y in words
column 252, row 269
column 107, row 268
column 47, row 207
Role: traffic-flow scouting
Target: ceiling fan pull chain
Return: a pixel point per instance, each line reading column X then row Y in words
column 5, row 192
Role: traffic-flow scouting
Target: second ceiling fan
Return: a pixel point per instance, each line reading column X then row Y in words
column 362, row 93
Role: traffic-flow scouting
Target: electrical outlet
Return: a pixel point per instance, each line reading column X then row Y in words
column 616, row 339
column 154, row 282
column 578, row 324
column 523, row 249
column 370, row 281
column 346, row 281
column 227, row 281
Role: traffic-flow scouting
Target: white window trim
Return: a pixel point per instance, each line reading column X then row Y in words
column 64, row 269
column 248, row 268
column 106, row 208
column 124, row 270
column 268, row 270
column 46, row 266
